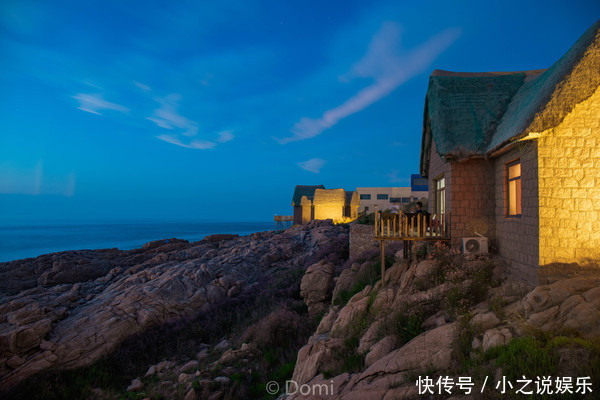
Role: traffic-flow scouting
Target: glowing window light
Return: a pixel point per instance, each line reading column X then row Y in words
column 514, row 188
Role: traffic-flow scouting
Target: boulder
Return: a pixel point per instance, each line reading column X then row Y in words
column 223, row 380
column 136, row 386
column 431, row 349
column 188, row 366
column 348, row 315
column 191, row 395
column 485, row 320
column 345, row 282
column 496, row 337
column 316, row 285
column 316, row 357
column 380, row 350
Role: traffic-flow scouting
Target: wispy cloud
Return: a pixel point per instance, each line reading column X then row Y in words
column 192, row 144
column 185, row 130
column 225, row 136
column 388, row 65
column 312, row 165
column 168, row 117
column 140, row 85
column 94, row 103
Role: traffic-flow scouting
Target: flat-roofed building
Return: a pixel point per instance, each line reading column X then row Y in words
column 387, row 197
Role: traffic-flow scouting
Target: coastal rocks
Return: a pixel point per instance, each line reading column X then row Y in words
column 247, row 351
column 567, row 304
column 136, row 386
column 220, row 237
column 346, row 280
column 485, row 320
column 160, row 243
column 66, row 310
column 316, row 286
column 380, row 349
column 496, row 337
column 431, row 348
column 544, row 297
column 55, row 269
column 315, row 357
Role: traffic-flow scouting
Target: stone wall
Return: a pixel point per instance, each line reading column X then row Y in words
column 569, row 187
column 517, row 237
column 469, row 195
column 437, row 168
column 472, row 196
column 361, row 239
column 334, row 212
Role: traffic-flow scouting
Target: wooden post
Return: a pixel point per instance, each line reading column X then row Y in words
column 376, row 231
column 382, row 261
column 415, row 251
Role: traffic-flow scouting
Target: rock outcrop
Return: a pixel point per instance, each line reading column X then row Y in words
column 316, row 287
column 67, row 309
column 389, row 366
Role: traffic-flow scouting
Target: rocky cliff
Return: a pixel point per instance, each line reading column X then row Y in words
column 449, row 316
column 298, row 320
column 66, row 310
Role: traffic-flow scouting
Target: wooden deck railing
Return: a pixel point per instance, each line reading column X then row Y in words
column 415, row 226
column 283, row 222
column 409, row 227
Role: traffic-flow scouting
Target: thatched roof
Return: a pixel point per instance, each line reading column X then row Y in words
column 303, row 190
column 476, row 114
column 306, row 201
column 352, row 198
column 329, row 197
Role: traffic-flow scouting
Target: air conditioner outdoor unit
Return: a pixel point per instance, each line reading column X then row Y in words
column 475, row 245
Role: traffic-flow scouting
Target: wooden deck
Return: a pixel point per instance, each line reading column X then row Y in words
column 410, row 228
column 407, row 226
column 283, row 222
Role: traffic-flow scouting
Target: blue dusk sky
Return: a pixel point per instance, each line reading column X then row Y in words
column 204, row 110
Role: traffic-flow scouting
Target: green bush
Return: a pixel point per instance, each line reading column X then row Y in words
column 404, row 325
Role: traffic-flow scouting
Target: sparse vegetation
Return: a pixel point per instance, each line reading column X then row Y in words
column 369, row 274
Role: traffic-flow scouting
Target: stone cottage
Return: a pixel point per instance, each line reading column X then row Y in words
column 515, row 156
column 316, row 202
column 302, row 203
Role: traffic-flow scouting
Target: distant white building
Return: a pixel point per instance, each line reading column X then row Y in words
column 388, row 197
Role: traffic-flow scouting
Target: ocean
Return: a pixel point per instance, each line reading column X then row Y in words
column 19, row 241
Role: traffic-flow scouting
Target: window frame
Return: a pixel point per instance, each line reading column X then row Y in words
column 440, row 192
column 519, row 194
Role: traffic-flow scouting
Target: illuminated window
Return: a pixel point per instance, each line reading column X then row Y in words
column 440, row 195
column 382, row 197
column 365, row 197
column 513, row 188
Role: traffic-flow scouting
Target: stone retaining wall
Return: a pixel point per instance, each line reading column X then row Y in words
column 361, row 239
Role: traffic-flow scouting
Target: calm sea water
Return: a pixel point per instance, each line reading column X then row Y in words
column 31, row 240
